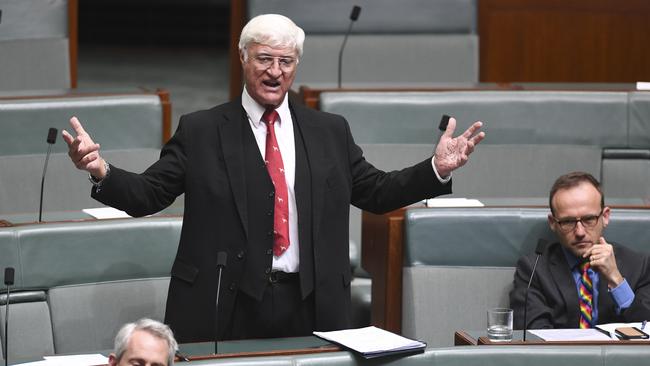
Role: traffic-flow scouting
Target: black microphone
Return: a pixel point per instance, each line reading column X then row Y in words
column 442, row 127
column 51, row 140
column 356, row 10
column 541, row 245
column 9, row 281
column 221, row 263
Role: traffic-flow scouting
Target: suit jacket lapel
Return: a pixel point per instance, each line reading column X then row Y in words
column 233, row 153
column 313, row 144
column 564, row 279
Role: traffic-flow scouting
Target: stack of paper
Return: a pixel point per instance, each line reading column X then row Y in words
column 372, row 342
column 570, row 334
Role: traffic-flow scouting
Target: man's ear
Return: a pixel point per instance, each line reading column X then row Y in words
column 112, row 361
column 606, row 212
column 551, row 222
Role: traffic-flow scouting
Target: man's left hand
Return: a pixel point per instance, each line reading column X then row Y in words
column 453, row 152
column 601, row 258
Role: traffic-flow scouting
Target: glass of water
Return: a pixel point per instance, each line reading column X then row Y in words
column 499, row 325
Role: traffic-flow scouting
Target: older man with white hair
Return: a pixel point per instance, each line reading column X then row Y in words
column 146, row 342
column 269, row 182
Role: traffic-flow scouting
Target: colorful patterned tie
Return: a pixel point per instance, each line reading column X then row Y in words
column 274, row 165
column 585, row 295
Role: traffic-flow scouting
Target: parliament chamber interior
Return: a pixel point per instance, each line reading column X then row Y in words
column 559, row 86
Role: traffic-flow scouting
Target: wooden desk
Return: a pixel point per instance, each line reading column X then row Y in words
column 257, row 347
column 470, row 338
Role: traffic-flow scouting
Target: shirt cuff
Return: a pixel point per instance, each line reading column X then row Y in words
column 444, row 180
column 622, row 295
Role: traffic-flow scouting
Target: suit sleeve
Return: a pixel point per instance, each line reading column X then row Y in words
column 155, row 189
column 639, row 310
column 378, row 191
column 539, row 314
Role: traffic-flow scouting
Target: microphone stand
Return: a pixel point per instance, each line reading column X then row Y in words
column 353, row 18
column 40, row 205
column 9, row 280
column 51, row 140
column 221, row 263
column 541, row 244
column 7, row 327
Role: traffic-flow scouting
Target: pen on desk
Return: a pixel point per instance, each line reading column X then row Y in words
column 643, row 324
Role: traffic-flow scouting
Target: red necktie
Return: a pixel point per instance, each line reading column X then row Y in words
column 274, row 165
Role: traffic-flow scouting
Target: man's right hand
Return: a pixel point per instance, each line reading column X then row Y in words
column 83, row 151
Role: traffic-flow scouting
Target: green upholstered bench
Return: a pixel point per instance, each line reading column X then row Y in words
column 458, row 262
column 130, row 126
column 531, row 135
column 76, row 283
column 409, row 42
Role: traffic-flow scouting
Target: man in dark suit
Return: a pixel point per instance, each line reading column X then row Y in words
column 582, row 280
column 269, row 182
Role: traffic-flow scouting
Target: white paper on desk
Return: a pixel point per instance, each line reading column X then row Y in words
column 105, row 213
column 73, row 360
column 78, row 360
column 570, row 335
column 37, row 363
column 642, row 85
column 370, row 340
column 611, row 328
column 454, row 202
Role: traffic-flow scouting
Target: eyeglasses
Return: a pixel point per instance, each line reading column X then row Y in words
column 569, row 224
column 263, row 62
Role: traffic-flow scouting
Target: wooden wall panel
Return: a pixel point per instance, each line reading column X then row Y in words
column 564, row 40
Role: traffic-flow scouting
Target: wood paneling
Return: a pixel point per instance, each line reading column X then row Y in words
column 564, row 40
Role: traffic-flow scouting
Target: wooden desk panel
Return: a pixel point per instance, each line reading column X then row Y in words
column 564, row 41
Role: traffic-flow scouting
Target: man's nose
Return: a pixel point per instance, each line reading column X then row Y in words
column 579, row 229
column 275, row 69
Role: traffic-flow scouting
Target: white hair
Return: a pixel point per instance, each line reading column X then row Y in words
column 274, row 30
column 153, row 327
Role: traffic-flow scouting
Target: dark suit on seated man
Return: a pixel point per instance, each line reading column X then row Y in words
column 582, row 280
column 268, row 182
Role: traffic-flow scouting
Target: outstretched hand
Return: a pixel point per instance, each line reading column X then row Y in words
column 83, row 151
column 453, row 152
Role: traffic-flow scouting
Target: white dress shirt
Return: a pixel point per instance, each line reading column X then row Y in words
column 288, row 261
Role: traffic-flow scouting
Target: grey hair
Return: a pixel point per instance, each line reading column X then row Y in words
column 153, row 327
column 274, row 30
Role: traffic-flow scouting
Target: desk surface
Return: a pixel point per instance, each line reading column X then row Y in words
column 242, row 348
column 257, row 347
column 478, row 338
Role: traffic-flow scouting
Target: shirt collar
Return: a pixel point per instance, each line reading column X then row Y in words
column 255, row 110
column 571, row 259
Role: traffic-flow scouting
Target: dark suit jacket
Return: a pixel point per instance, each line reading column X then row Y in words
column 553, row 298
column 206, row 160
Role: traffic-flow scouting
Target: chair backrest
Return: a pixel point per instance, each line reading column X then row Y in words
column 509, row 117
column 129, row 126
column 76, row 283
column 36, row 40
column 532, row 136
column 410, row 42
